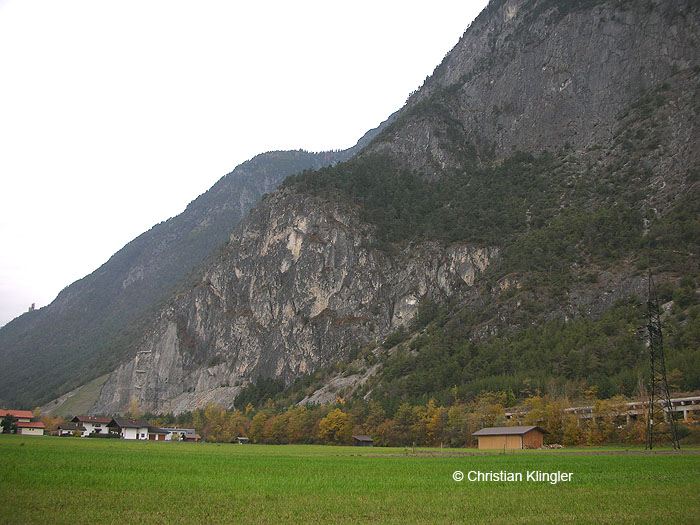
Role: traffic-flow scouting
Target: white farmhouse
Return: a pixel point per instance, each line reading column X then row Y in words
column 130, row 428
column 92, row 424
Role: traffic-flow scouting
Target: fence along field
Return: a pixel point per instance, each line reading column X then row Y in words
column 71, row 480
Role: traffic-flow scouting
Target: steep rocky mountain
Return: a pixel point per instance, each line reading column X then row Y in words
column 294, row 290
column 78, row 336
column 546, row 164
column 542, row 75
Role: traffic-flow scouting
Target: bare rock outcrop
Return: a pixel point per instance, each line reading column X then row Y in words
column 297, row 286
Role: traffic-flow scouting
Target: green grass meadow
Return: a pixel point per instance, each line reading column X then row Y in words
column 72, row 480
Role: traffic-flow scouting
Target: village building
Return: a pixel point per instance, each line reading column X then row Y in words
column 70, row 429
column 30, row 428
column 192, row 438
column 157, row 434
column 21, row 416
column 23, row 421
column 510, row 438
column 177, row 434
column 129, row 428
column 136, row 428
column 93, row 424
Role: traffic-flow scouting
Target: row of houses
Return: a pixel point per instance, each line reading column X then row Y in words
column 84, row 426
column 139, row 429
column 127, row 428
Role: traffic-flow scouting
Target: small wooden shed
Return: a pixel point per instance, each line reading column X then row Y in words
column 510, row 438
column 362, row 441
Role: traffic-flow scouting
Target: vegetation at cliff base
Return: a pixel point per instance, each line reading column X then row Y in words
column 432, row 385
column 435, row 358
column 563, row 358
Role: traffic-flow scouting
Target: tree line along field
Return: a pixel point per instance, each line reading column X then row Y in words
column 71, row 480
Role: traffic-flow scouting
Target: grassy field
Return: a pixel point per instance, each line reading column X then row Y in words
column 72, row 480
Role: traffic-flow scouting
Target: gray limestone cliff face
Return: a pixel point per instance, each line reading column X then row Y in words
column 533, row 75
column 297, row 286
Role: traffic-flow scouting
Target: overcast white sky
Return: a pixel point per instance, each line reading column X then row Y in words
column 115, row 115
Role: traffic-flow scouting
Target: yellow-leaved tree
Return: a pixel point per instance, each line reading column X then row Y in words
column 335, row 428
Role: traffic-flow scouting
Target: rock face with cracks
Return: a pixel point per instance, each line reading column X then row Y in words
column 297, row 286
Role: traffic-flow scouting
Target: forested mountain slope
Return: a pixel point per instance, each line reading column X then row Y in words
column 548, row 162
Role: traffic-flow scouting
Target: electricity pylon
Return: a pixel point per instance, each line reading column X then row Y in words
column 660, row 409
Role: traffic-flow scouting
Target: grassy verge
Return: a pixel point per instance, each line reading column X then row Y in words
column 55, row 480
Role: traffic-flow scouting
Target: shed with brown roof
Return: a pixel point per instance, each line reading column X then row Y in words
column 362, row 441
column 510, row 438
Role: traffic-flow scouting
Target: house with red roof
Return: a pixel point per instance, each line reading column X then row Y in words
column 21, row 416
column 30, row 428
column 25, row 425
